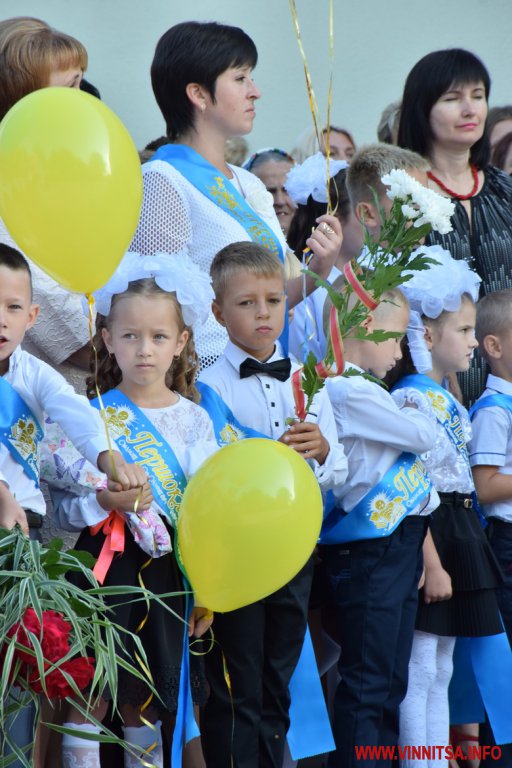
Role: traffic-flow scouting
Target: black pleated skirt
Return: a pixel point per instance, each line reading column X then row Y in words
column 467, row 556
column 162, row 631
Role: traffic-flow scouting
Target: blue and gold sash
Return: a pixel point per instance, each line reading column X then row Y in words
column 20, row 431
column 404, row 486
column 219, row 189
column 498, row 400
column 140, row 442
column 443, row 405
column 227, row 428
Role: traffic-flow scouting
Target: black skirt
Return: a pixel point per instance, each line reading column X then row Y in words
column 466, row 555
column 162, row 633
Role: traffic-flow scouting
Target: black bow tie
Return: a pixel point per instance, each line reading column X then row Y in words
column 280, row 369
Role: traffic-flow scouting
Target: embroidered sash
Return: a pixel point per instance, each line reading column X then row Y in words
column 404, row 486
column 20, row 431
column 443, row 405
column 140, row 442
column 219, row 189
column 499, row 399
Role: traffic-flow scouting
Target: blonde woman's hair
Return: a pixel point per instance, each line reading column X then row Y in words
column 30, row 50
column 371, row 163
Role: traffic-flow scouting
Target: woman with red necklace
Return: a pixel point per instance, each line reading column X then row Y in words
column 444, row 109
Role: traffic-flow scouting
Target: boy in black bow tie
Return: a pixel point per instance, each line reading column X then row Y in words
column 261, row 642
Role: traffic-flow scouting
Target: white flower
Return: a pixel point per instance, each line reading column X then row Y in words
column 173, row 272
column 428, row 206
column 261, row 201
column 310, row 178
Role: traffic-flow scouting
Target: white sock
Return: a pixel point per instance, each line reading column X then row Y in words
column 78, row 752
column 147, row 738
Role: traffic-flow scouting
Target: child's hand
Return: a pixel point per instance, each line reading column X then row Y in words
column 200, row 621
column 11, row 513
column 305, row 438
column 421, row 582
column 125, row 501
column 438, row 585
column 121, row 476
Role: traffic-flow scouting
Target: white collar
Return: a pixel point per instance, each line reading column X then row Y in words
column 236, row 356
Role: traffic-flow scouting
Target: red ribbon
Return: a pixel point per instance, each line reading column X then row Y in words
column 113, row 528
column 360, row 292
column 322, row 370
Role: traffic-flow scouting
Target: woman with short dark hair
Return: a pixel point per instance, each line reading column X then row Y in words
column 193, row 200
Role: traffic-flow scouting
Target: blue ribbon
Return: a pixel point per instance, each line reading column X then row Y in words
column 226, row 426
column 20, row 431
column 382, row 509
column 489, row 401
column 214, row 185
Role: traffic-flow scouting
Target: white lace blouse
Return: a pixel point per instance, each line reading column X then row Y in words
column 175, row 216
column 447, row 467
column 185, row 426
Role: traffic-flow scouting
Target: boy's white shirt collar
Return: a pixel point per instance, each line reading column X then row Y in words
column 236, row 356
column 496, row 382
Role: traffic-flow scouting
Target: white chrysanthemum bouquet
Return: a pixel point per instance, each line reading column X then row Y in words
column 386, row 262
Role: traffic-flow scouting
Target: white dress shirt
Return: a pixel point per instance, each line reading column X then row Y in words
column 264, row 403
column 374, row 432
column 46, row 391
column 492, row 442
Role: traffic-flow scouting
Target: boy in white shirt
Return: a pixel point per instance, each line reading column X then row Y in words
column 261, row 642
column 29, row 389
column 490, row 450
column 373, row 539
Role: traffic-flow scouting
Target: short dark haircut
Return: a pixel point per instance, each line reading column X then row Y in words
column 432, row 76
column 195, row 52
column 14, row 260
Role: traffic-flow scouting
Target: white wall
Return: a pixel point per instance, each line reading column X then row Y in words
column 376, row 43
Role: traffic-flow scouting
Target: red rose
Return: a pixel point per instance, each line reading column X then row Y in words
column 57, row 687
column 56, row 631
column 53, row 637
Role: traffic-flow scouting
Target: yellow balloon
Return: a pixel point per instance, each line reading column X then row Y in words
column 70, row 185
column 249, row 521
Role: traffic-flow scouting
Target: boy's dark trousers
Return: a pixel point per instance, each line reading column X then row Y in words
column 261, row 644
column 374, row 586
column 500, row 537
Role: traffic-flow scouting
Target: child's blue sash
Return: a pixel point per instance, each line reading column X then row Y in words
column 498, row 400
column 20, row 431
column 443, row 405
column 309, row 732
column 219, row 189
column 140, row 442
column 404, row 486
column 227, row 428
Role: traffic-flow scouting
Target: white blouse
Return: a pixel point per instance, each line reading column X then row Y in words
column 449, row 470
column 177, row 217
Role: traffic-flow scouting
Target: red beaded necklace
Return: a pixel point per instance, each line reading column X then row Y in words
column 474, row 173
